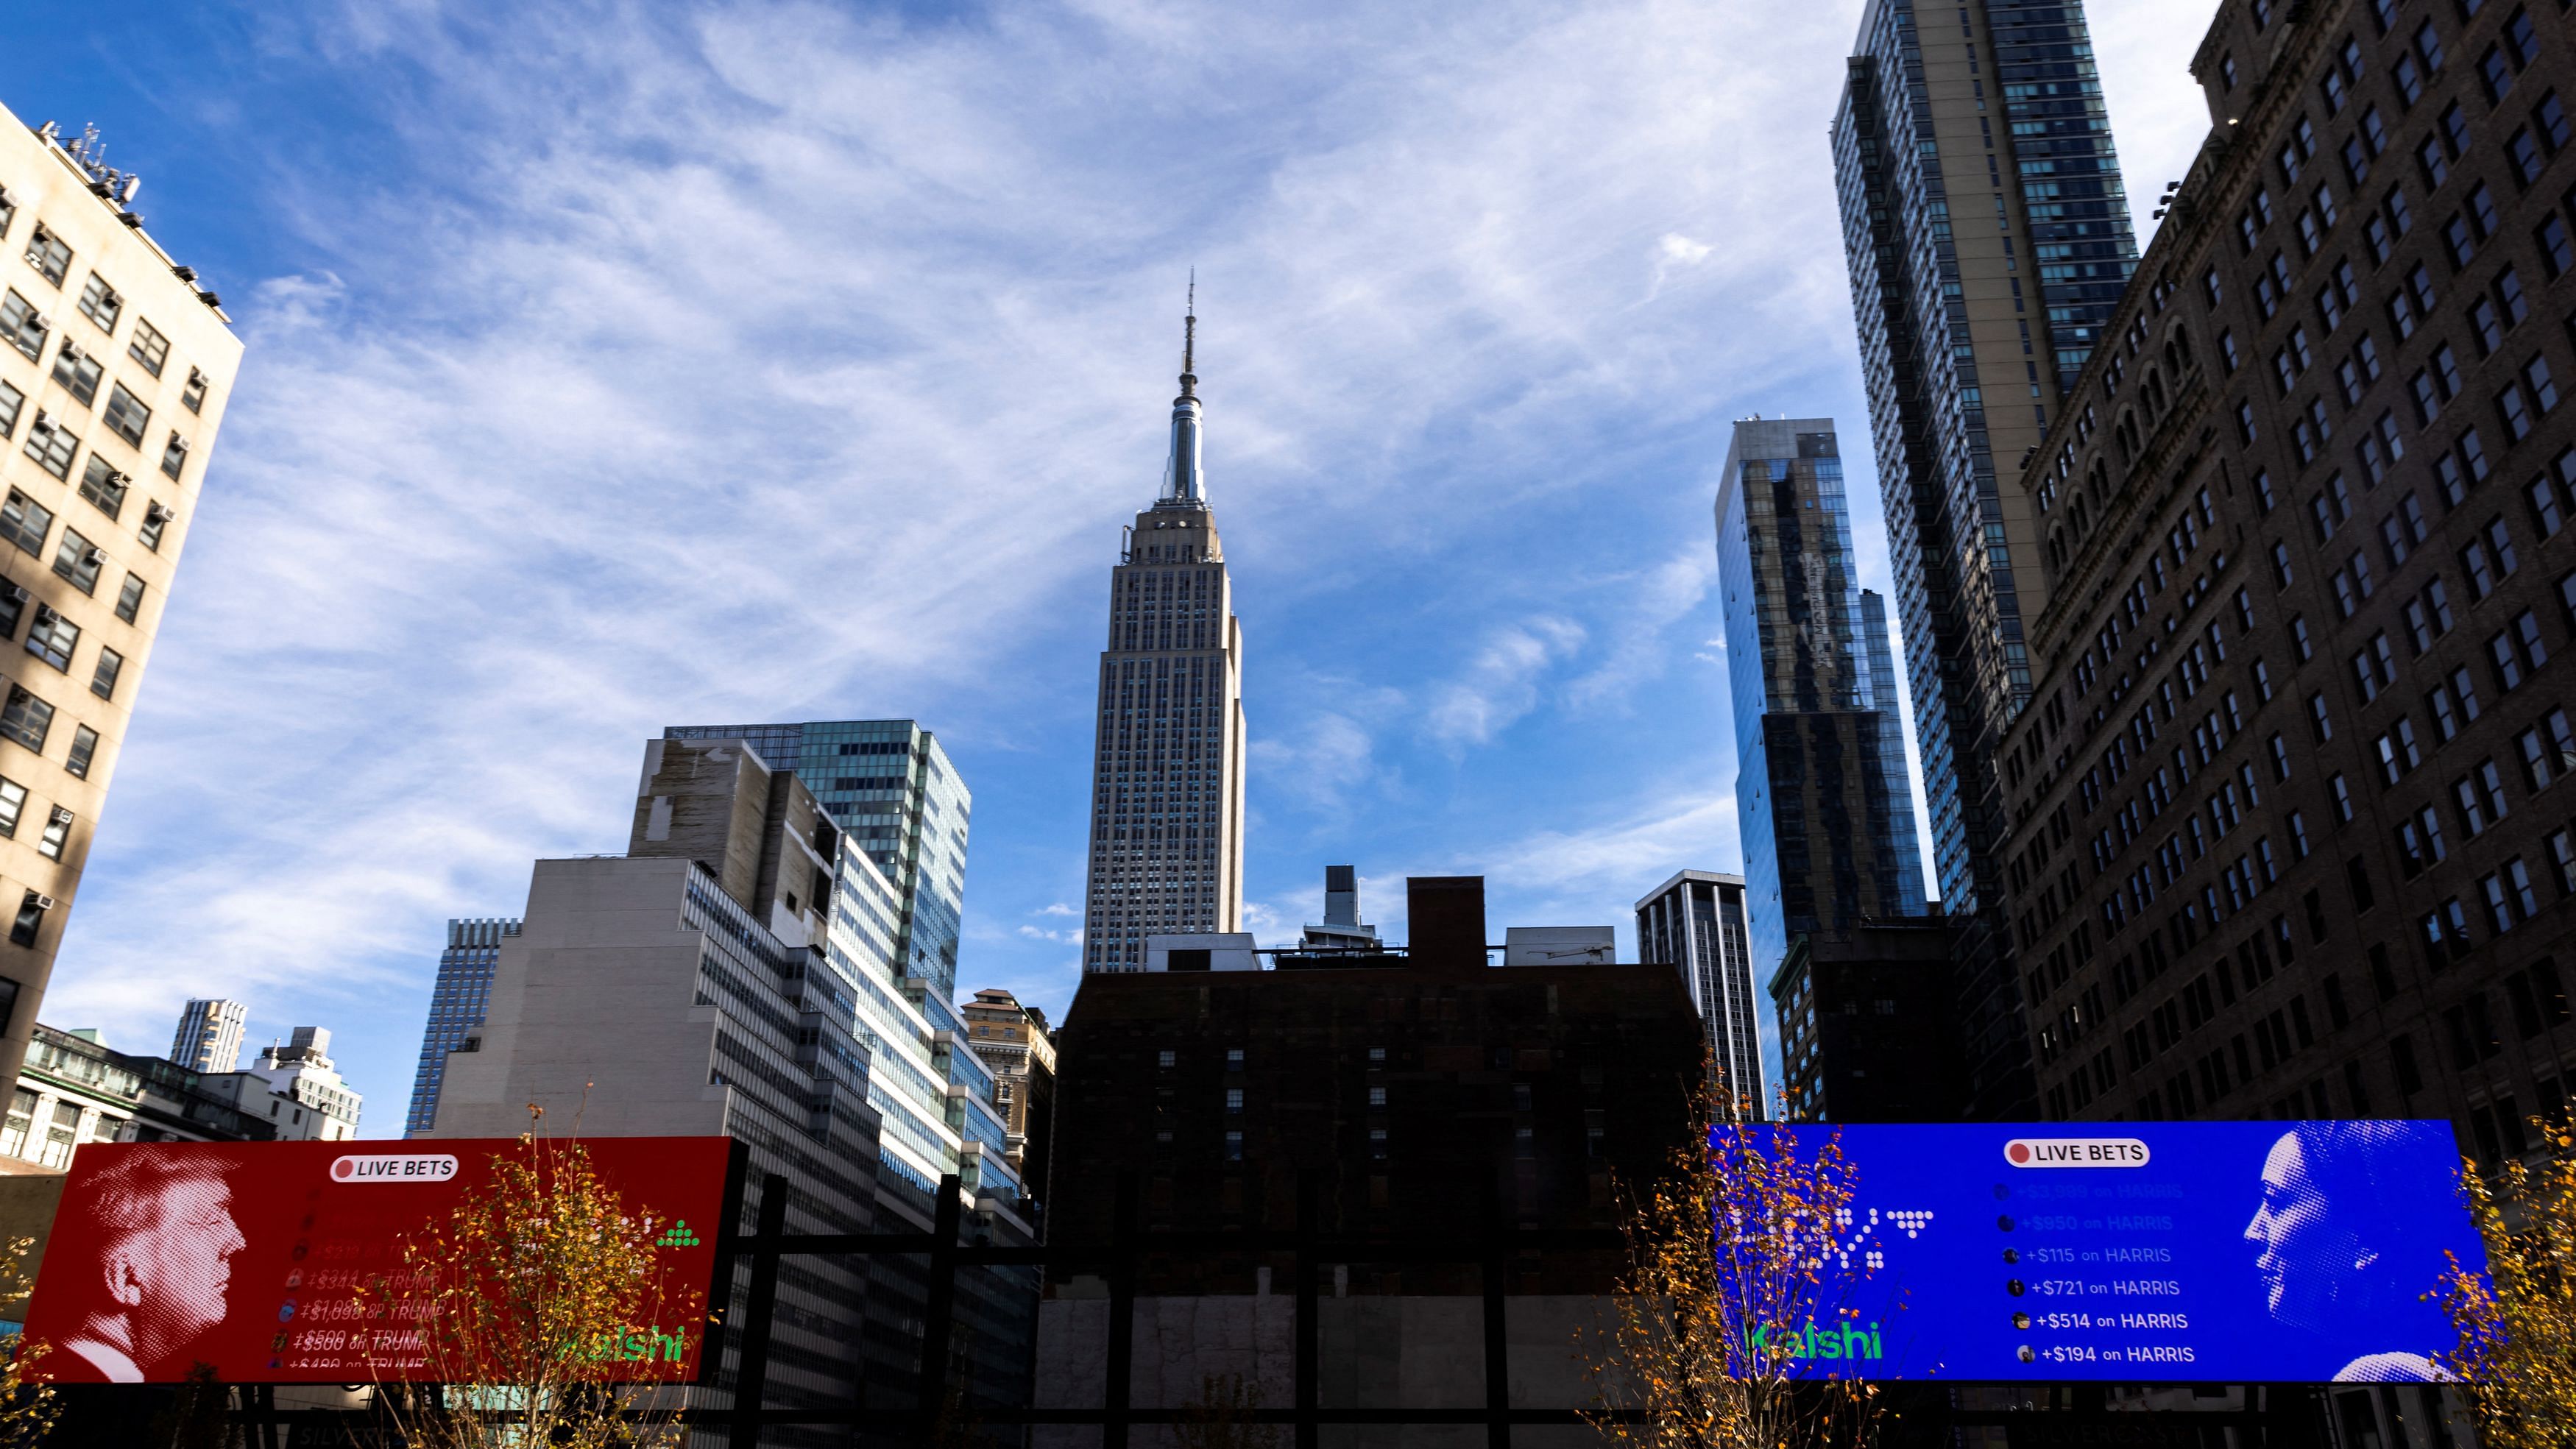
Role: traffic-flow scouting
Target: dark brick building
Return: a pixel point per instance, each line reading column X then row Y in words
column 1865, row 1032
column 2291, row 823
column 1413, row 1084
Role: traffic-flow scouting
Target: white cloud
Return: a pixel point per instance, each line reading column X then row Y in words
column 1059, row 908
column 1072, row 936
column 1674, row 249
column 1502, row 683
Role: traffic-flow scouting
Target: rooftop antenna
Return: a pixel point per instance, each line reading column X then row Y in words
column 1190, row 338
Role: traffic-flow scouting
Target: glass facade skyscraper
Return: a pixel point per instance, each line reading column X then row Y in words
column 1821, row 801
column 890, row 789
column 1988, row 239
column 456, row 1005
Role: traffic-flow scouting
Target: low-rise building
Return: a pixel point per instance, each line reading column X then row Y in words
column 297, row 1088
column 73, row 1089
column 1408, row 1092
column 1865, row 1023
column 1016, row 1042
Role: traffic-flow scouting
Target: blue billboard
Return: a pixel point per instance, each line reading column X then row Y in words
column 2138, row 1252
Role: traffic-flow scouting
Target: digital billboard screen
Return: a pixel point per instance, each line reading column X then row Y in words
column 252, row 1257
column 2276, row 1252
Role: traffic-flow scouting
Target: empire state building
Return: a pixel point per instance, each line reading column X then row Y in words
column 1167, row 771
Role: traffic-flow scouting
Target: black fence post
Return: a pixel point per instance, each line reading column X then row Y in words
column 1310, row 1200
column 938, row 1315
column 720, row 1292
column 751, row 1374
column 1122, row 1314
column 1498, row 1362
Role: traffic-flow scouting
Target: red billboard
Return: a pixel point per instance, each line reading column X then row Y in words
column 260, row 1258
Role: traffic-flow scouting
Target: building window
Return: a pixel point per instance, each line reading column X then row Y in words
column 174, row 456
column 13, row 803
column 193, row 396
column 53, row 637
column 79, row 560
column 148, row 347
column 103, row 486
column 26, row 719
column 78, row 372
column 102, row 680
column 22, row 1106
column 47, row 254
column 84, row 749
column 1234, row 1147
column 155, row 518
column 58, row 833
column 100, row 304
column 125, row 416
column 22, row 326
column 24, row 522
column 52, row 445
column 1233, row 1100
column 129, row 598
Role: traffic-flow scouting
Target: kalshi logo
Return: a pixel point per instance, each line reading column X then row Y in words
column 394, row 1167
column 2076, row 1152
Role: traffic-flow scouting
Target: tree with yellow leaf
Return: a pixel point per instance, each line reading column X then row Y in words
column 522, row 1316
column 2517, row 1324
column 1725, row 1292
column 27, row 1410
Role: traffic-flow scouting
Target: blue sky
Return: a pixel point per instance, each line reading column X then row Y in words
column 614, row 366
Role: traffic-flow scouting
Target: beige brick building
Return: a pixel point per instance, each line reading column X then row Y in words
column 114, row 371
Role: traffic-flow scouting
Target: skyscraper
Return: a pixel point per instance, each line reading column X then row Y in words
column 456, row 1004
column 1967, row 354
column 1826, row 820
column 889, row 787
column 114, row 374
column 209, row 1038
column 2292, row 802
column 1167, row 769
column 1695, row 922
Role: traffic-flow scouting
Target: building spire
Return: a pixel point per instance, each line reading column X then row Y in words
column 1190, row 339
column 1184, row 483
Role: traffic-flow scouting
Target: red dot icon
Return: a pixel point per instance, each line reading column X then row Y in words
column 343, row 1168
column 2018, row 1152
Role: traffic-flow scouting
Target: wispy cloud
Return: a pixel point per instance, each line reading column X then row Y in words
column 1502, row 683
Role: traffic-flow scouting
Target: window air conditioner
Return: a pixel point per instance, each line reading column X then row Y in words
column 43, row 902
column 159, row 514
column 93, row 557
column 62, row 815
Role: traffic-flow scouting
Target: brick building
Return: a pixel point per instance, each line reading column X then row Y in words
column 1410, row 1089
column 2290, row 827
